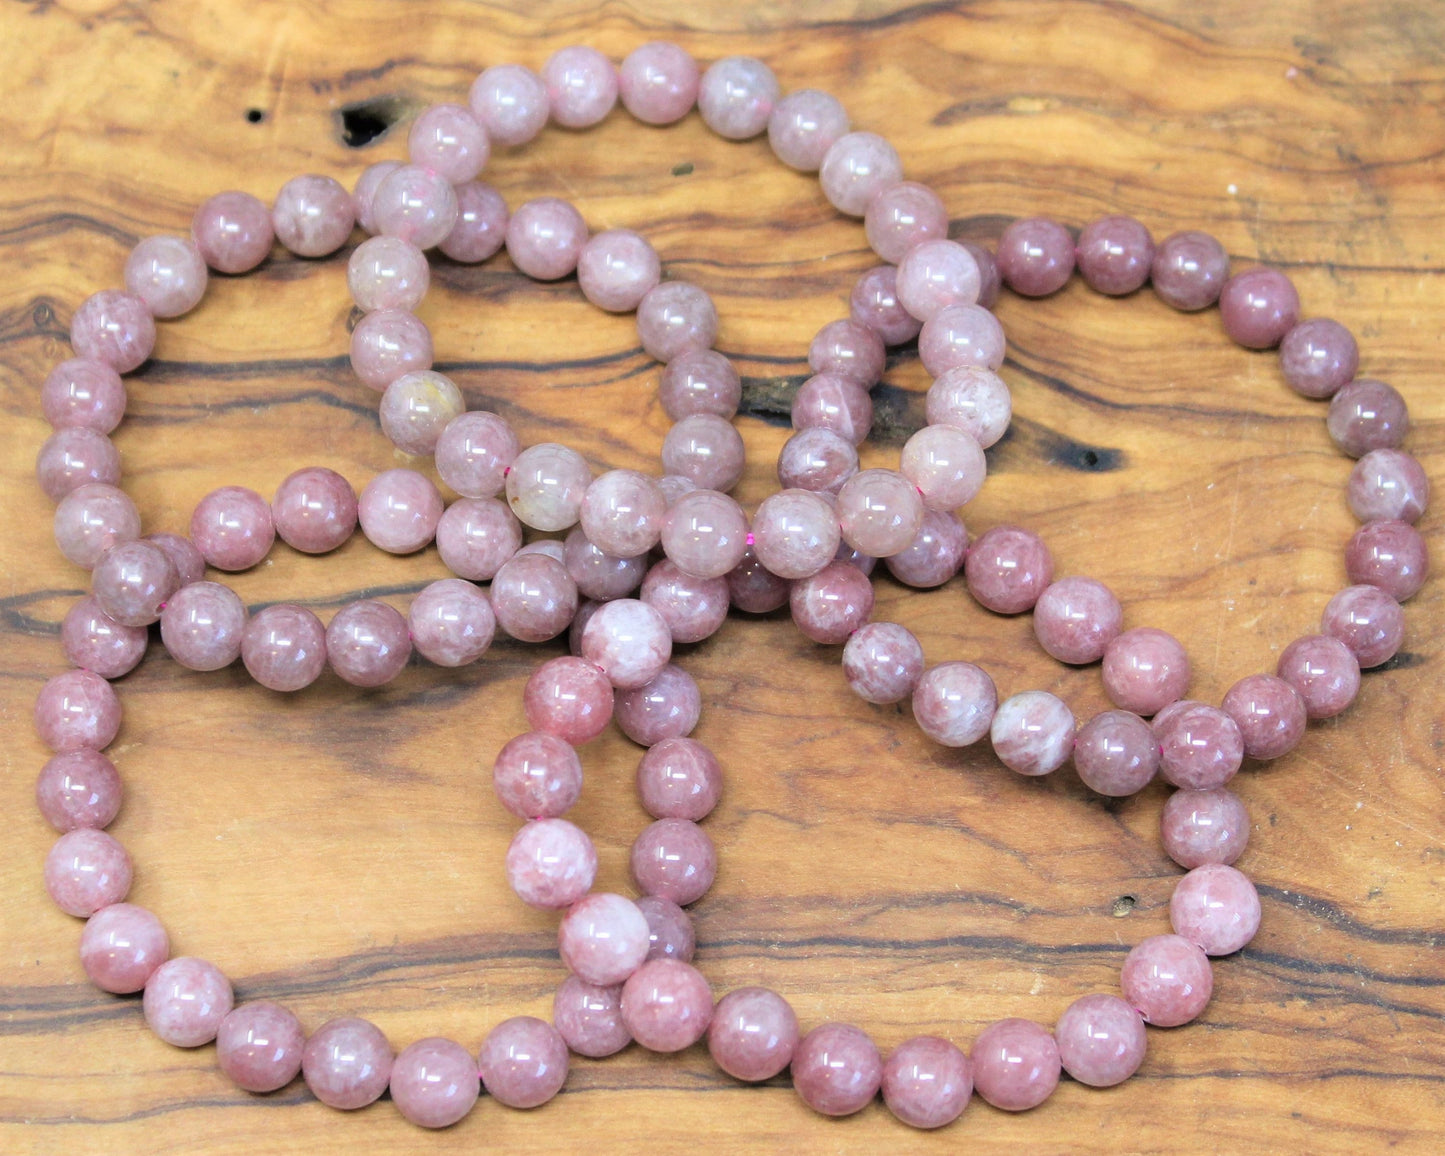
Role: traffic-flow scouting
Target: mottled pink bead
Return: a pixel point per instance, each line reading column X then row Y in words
column 935, row 554
column 313, row 215
column 974, row 399
column 388, row 343
column 629, row 641
column 935, row 274
column 85, row 393
column 1318, row 357
column 183, row 555
column 481, row 226
column 1198, row 827
column 1114, row 255
column 434, row 1082
column 363, row 194
column 658, row 82
column 855, row 169
column 1167, row 980
column 1215, row 907
column 848, row 350
column 927, row 1082
column 753, row 1034
column 259, row 1046
column 474, row 453
column 538, row 775
column 523, row 1062
column 1367, row 415
column 836, row 1069
column 1116, row 753
column 946, row 464
column 399, row 511
column 1035, row 256
column 668, row 706
column 669, row 929
column 674, row 858
column 121, row 946
column 94, row 641
column 232, row 528
column 185, row 1001
column 1200, row 746
column 679, row 778
column 904, row 217
column 416, row 205
column 476, row 536
column 551, row 864
column 829, row 605
column 510, row 101
column 284, row 647
column 705, row 534
column 617, row 269
column 693, row 608
column 545, row 238
column 817, row 459
column 1390, row 555
column 569, row 698
column 666, row 1005
column 990, row 280
column 367, row 643
column 883, row 662
column 1367, row 620
column 1015, row 1064
column 1008, row 569
column 700, row 381
column 960, row 336
column 233, row 232
column 449, row 140
column 1270, row 714
column 86, row 870
column 202, row 626
column 736, row 97
column 954, row 703
column 1075, row 619
column 387, row 273
column 581, row 86
column 75, row 710
column 1324, row 671
column 826, row 401
column 1101, row 1040
column 1033, row 732
column 754, row 589
column 589, row 1018
column 674, row 318
column 874, row 303
column 546, row 485
column 804, row 126
column 78, row 789
column 795, row 533
column 114, row 327
column 132, row 580
column 314, row 510
column 603, row 938
column 879, row 512
column 622, row 513
column 600, row 576
column 1145, row 670
column 1258, row 307
column 533, row 597
column 168, row 274
column 1189, row 270
column 1388, row 485
column 347, row 1063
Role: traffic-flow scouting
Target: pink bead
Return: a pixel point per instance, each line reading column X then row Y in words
column 114, row 327
column 551, row 864
column 883, row 662
column 1390, row 555
column 1199, row 827
column 168, row 274
column 1215, row 907
column 879, row 512
column 693, row 608
column 83, row 393
column 91, row 519
column 954, row 703
column 603, row 939
column 284, row 647
column 314, row 510
column 753, row 1034
column 233, row 232
column 416, row 205
column 399, row 511
column 132, row 581
column 1035, row 256
column 754, row 589
column 347, row 1063
column 934, row 274
column 1270, row 714
column 1201, row 747
column 434, row 1082
column 855, row 169
column 1258, row 307
column 617, row 269
column 1388, row 485
column 474, row 453
column 1318, row 357
column 959, row 336
column 666, row 1005
column 804, row 126
column 481, row 225
column 927, row 1082
column 523, row 1062
column 313, row 215
column 77, row 710
column 679, row 778
column 94, row 641
column 1114, row 255
column 1015, row 1064
column 831, row 604
column 387, row 344
column 121, row 946
column 1167, row 980
column 1368, row 621
column 1189, row 270
column 874, row 303
column 1008, row 569
column 581, row 86
column 600, row 576
column 85, row 871
column 1324, row 672
column 848, row 350
column 1032, row 732
column 736, row 97
column 658, row 82
column 629, row 641
column 589, row 1018
column 836, row 1069
column 363, row 194
column 1075, row 619
column 1367, row 415
column 699, row 381
column 795, row 533
column 183, row 555
column 232, row 528
column 185, row 1001
column 387, row 273
column 990, row 280
column 545, row 237
column 1116, row 753
column 705, row 534
column 533, row 597
column 669, row 929
column 902, row 217
column 259, row 1046
column 202, row 626
column 1145, row 670
column 974, row 399
column 816, row 459
column 449, row 140
column 666, row 707
column 622, row 513
column 569, row 698
column 674, row 318
column 675, row 859
column 510, row 101
column 1101, row 1040
column 946, row 464
column 78, row 789
column 476, row 536
column 546, row 485
column 843, row 407
column 538, row 775
column 935, row 554
column 367, row 643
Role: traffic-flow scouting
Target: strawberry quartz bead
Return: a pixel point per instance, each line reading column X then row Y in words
column 314, row 510
column 1200, row 746
column 569, row 698
column 879, row 512
column 481, row 227
column 705, row 449
column 932, row 273
column 538, row 775
column 202, row 626
column 795, row 533
column 589, row 1018
column 754, row 589
column 836, row 1069
column 699, row 381
column 1032, row 733
column 693, row 608
column 581, row 86
column 1367, row 415
column 874, row 303
column 259, row 1046
column 1114, row 255
column 935, row 554
column 416, row 407
column 284, row 647
column 347, row 1063
column 658, row 82
column 945, row 464
column 1270, row 714
column 927, row 1082
column 666, row 1005
column 603, row 939
column 826, row 401
column 1199, row 827
column 628, row 641
column 816, row 459
column 1075, row 619
column 185, row 1001
column 1324, row 672
column 669, row 929
column 523, row 1062
column 1015, row 1064
column 883, row 662
column 449, row 140
column 83, row 393
column 804, row 126
column 676, row 318
column 114, row 327
column 736, row 97
column 476, row 537
column 679, row 778
column 1116, row 753
column 954, row 703
column 674, row 859
column 1007, row 569
column 183, row 555
column 434, row 1082
column 831, row 604
column 367, row 643
column 705, row 534
column 848, row 350
column 132, row 581
column 1145, row 670
column 958, row 336
column 617, row 269
column 399, row 511
column 77, row 710
column 546, row 485
column 233, row 232
column 363, row 194
column 1189, row 270
column 974, row 399
column 666, row 707
column 1390, row 555
column 94, row 641
column 1101, row 1040
column 71, row 458
column 753, row 1034
column 313, row 215
column 451, row 623
column 1258, row 307
column 1035, row 256
column 1368, row 621
column 990, row 281
column 855, row 169
column 168, row 274
column 416, row 205
column 510, row 102
column 551, row 864
column 232, row 528
column 1167, row 980
column 78, row 789
column 1216, row 908
column 902, row 217
column 85, row 871
column 545, row 238
column 533, row 597
column 1388, row 485
column 1318, row 357
column 387, row 344
column 474, row 453
column 120, row 946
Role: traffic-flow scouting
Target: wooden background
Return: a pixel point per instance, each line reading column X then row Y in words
column 340, row 851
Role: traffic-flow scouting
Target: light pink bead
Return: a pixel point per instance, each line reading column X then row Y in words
column 91, row 519
column 927, row 1082
column 1368, row 621
column 669, row 929
column 946, row 464
column 617, row 269
column 629, row 641
column 232, row 528
column 874, row 303
column 233, row 232
column 367, row 643
column 855, row 169
column 1101, row 1040
column 569, row 698
column 753, row 1034
column 449, row 140
column 284, row 647
column 537, row 775
column 795, row 533
column 78, row 789
column 658, row 82
column 804, row 126
column 533, row 597
column 83, row 393
column 114, row 327
column 603, row 939
column 1324, row 672
column 474, row 453
column 879, row 512
column 816, row 459
column 935, row 554
column 1200, row 746
column 75, row 457
column 1318, row 357
column 523, row 1062
column 1367, row 415
column 546, row 485
column 1258, row 307
column 1215, row 907
column 973, row 398
column 416, row 205
column 679, row 778
column 185, row 1001
column 589, row 1018
column 551, row 864
column 1075, row 619
column 754, row 589
column 666, row 1005
column 1116, row 753
column 434, row 1082
column 600, row 576
column 347, row 1063
column 94, row 641
column 545, row 237
column 622, row 513
column 674, row 318
column 1189, row 270
column 1198, row 827
column 388, row 343
column 666, row 707
column 581, row 86
column 121, row 946
column 476, row 537
column 736, row 97
column 481, row 226
column 830, row 605
column 399, row 511
column 958, row 336
column 674, row 858
column 314, row 510
column 843, row 407
column 883, row 662
column 1035, row 256
column 848, row 350
column 259, row 1046
column 904, row 217
column 363, row 194
column 132, row 580
column 387, row 273
column 954, row 703
column 168, row 274
column 693, row 608
column 836, row 1069
column 1033, row 732
column 1388, row 485
column 1008, row 569
column 183, row 555
column 510, row 101
column 1114, row 255
column 1145, row 670
column 77, row 710
column 705, row 534
column 1270, row 713
column 1015, row 1064
column 1390, row 555
column 1167, row 980
column 700, row 381
column 85, row 871
column 313, row 215
column 935, row 274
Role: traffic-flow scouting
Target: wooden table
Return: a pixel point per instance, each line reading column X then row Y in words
column 340, row 851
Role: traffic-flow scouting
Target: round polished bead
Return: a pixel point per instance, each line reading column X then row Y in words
column 954, row 703
column 115, row 328
column 1199, row 827
column 259, row 1046
column 883, row 662
column 474, row 453
column 1075, row 619
column 581, row 85
column 78, row 789
column 830, row 605
column 168, row 274
column 510, row 101
column 533, row 597
column 1200, row 746
column 1215, row 907
column 1008, row 569
column 836, row 1069
column 1114, row 255
column 94, row 641
column 284, row 647
column 1189, row 270
column 945, row 464
column 617, row 269
column 523, row 1062
column 1367, row 415
column 387, row 273
column 826, row 401
column 399, row 511
column 185, row 1001
column 367, row 643
column 817, row 459
column 77, row 710
column 233, row 231
column 415, row 204
column 603, row 938
column 908, row 216
column 1167, row 980
column 313, row 215
column 1324, row 672
column 202, row 626
column 674, row 858
column 1367, row 620
column 1032, row 732
column 705, row 449
column 232, row 527
column 1116, row 753
column 927, row 1082
column 973, row 398
column 434, row 1082
column 754, row 589
column 700, row 381
column 669, row 929
column 990, row 280
column 1258, row 307
column 855, row 169
column 132, row 580
column 736, row 97
column 569, row 698
column 693, row 608
column 879, row 512
column 705, row 534
column 1270, row 714
column 387, row 344
column 314, row 510
column 935, row 554
column 1035, row 256
column 546, row 485
column 476, row 536
column 1318, row 357
column 674, row 318
column 679, row 778
column 804, row 126
column 551, row 864
column 1101, row 1040
column 538, row 775
column 666, row 1005
column 1388, row 485
column 481, row 227
column 753, row 1034
column 347, row 1063
column 589, row 1018
column 668, row 706
column 1015, row 1064
column 960, row 336
column 1390, row 555
column 363, row 194
column 183, row 555
column 451, row 623
column 628, row 641
column 121, row 946
column 795, row 533
column 874, row 303
column 83, row 393
column 450, row 141
column 86, row 870
column 933, row 274
column 600, row 576
column 845, row 349
column 545, row 238
column 1145, row 670
column 658, row 82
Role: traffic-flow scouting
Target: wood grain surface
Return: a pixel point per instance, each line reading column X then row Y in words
column 340, row 851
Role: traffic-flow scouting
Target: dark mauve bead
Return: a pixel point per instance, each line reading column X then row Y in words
column 1200, row 746
column 874, row 303
column 833, row 603
column 816, row 459
column 1388, row 485
column 753, row 588
column 1007, row 569
column 1198, row 827
column 1390, row 555
column 1075, row 619
column 1368, row 621
column 989, row 280
column 1324, row 671
column 1367, row 415
column 1189, row 270
column 1318, row 357
column 1270, row 714
column 1035, row 256
column 669, row 929
column 1116, row 753
column 848, row 350
column 1258, row 307
column 934, row 555
column 837, row 1069
column 1114, row 255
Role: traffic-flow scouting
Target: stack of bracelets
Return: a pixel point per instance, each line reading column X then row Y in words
column 810, row 546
